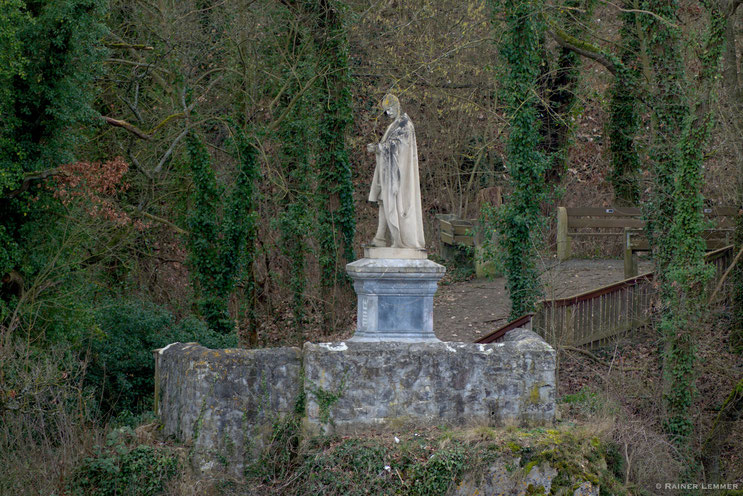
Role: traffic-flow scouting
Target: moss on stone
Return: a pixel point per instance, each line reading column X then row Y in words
column 529, row 466
column 534, row 395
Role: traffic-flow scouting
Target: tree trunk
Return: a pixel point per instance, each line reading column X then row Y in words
column 730, row 413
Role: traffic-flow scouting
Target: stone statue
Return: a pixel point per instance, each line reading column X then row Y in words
column 396, row 186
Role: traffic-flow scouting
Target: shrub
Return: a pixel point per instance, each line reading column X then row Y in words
column 47, row 416
column 119, row 468
column 122, row 366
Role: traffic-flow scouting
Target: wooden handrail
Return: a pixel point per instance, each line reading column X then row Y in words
column 501, row 331
column 607, row 307
column 595, row 293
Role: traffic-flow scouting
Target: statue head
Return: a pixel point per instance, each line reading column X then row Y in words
column 391, row 106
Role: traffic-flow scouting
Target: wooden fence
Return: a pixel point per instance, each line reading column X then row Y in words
column 595, row 317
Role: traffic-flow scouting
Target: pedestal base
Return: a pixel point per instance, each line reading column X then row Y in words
column 389, row 252
column 395, row 298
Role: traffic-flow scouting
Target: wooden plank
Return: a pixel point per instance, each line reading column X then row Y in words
column 616, row 223
column 578, row 233
column 604, row 212
column 461, row 229
column 639, row 243
column 642, row 244
column 446, row 226
column 588, row 295
column 463, row 222
column 570, row 324
column 584, row 314
column 721, row 211
column 456, row 240
column 725, row 222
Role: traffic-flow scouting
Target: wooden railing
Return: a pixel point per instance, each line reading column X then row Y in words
column 595, row 317
column 523, row 322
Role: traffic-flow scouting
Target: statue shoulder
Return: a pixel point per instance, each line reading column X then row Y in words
column 404, row 128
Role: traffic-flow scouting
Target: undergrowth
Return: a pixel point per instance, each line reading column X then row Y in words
column 432, row 462
column 123, row 466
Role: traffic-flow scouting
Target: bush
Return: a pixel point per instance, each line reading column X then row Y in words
column 119, row 468
column 47, row 416
column 121, row 345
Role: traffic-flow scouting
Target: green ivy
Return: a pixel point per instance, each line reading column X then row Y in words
column 624, row 119
column 736, row 337
column 222, row 229
column 50, row 54
column 244, row 207
column 559, row 81
column 119, row 468
column 336, row 214
column 682, row 125
column 297, row 134
column 522, row 223
column 318, row 216
column 670, row 109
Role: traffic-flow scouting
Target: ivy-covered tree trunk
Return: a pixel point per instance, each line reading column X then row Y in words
column 560, row 84
column 297, row 135
column 682, row 123
column 669, row 110
column 624, row 119
column 336, row 215
column 241, row 240
column 222, row 230
column 522, row 223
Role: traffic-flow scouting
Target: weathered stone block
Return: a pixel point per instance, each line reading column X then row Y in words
column 224, row 402
column 352, row 386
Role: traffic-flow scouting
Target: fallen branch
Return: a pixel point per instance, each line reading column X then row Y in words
column 129, row 127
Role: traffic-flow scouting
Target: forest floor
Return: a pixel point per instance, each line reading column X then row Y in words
column 467, row 310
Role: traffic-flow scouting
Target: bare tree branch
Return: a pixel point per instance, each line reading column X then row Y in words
column 582, row 48
column 169, row 151
column 129, row 127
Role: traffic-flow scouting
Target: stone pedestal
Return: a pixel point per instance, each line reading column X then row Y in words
column 395, row 297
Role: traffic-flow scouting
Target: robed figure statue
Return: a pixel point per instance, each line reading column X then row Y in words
column 396, row 185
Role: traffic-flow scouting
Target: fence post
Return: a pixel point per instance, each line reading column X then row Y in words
column 630, row 260
column 563, row 240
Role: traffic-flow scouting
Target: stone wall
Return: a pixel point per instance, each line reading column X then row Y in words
column 356, row 386
column 224, row 403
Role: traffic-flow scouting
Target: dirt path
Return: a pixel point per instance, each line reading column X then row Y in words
column 464, row 311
